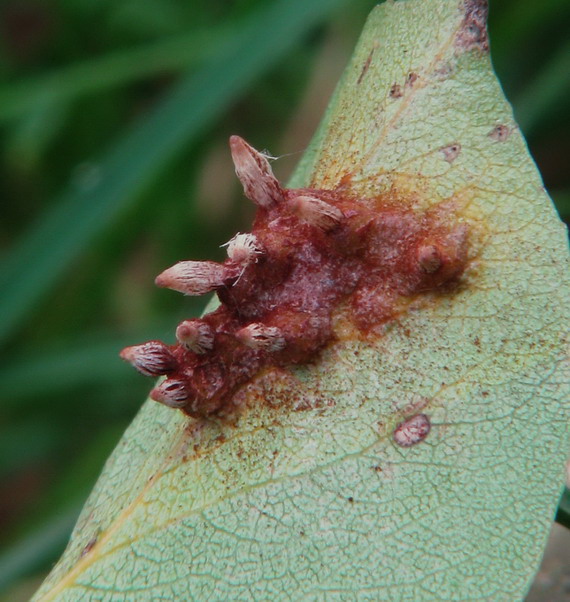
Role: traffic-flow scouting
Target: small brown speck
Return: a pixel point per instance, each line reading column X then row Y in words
column 351, row 500
column 500, row 133
column 411, row 79
column 89, row 546
column 451, row 152
column 396, row 91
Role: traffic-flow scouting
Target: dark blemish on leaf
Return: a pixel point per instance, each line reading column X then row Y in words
column 412, row 431
column 277, row 387
column 472, row 34
column 89, row 545
column 396, row 91
column 313, row 255
column 443, row 71
column 411, row 79
column 451, row 152
column 366, row 66
column 500, row 133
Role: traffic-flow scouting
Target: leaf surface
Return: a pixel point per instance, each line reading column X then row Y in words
column 308, row 496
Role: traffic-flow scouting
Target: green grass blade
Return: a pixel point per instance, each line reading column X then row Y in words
column 520, row 20
column 563, row 512
column 551, row 84
column 91, row 360
column 51, row 246
column 34, row 551
column 561, row 199
column 67, row 83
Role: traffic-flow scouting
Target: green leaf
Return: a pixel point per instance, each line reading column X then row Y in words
column 321, row 503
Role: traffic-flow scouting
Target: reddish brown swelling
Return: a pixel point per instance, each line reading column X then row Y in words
column 314, row 257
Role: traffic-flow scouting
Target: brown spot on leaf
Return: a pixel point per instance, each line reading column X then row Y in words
column 89, row 545
column 500, row 133
column 411, row 79
column 451, row 152
column 472, row 34
column 365, row 67
column 443, row 70
column 396, row 91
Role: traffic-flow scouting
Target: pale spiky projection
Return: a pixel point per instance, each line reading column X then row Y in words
column 312, row 255
column 172, row 392
column 243, row 249
column 255, row 174
column 195, row 335
column 194, row 277
column 316, row 212
column 151, row 359
column 259, row 336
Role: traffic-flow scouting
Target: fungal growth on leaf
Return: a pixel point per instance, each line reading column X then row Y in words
column 412, row 430
column 314, row 259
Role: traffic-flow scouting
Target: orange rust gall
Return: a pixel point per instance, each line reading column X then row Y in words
column 312, row 255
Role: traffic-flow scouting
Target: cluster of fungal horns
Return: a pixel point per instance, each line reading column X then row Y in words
column 315, row 260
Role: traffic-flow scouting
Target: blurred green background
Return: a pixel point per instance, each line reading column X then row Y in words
column 114, row 120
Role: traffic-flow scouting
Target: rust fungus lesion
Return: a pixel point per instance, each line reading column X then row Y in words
column 411, row 79
column 89, row 545
column 450, row 152
column 312, row 255
column 500, row 132
column 396, row 91
column 472, row 34
column 412, row 431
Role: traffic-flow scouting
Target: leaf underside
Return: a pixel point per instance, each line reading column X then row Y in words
column 308, row 496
